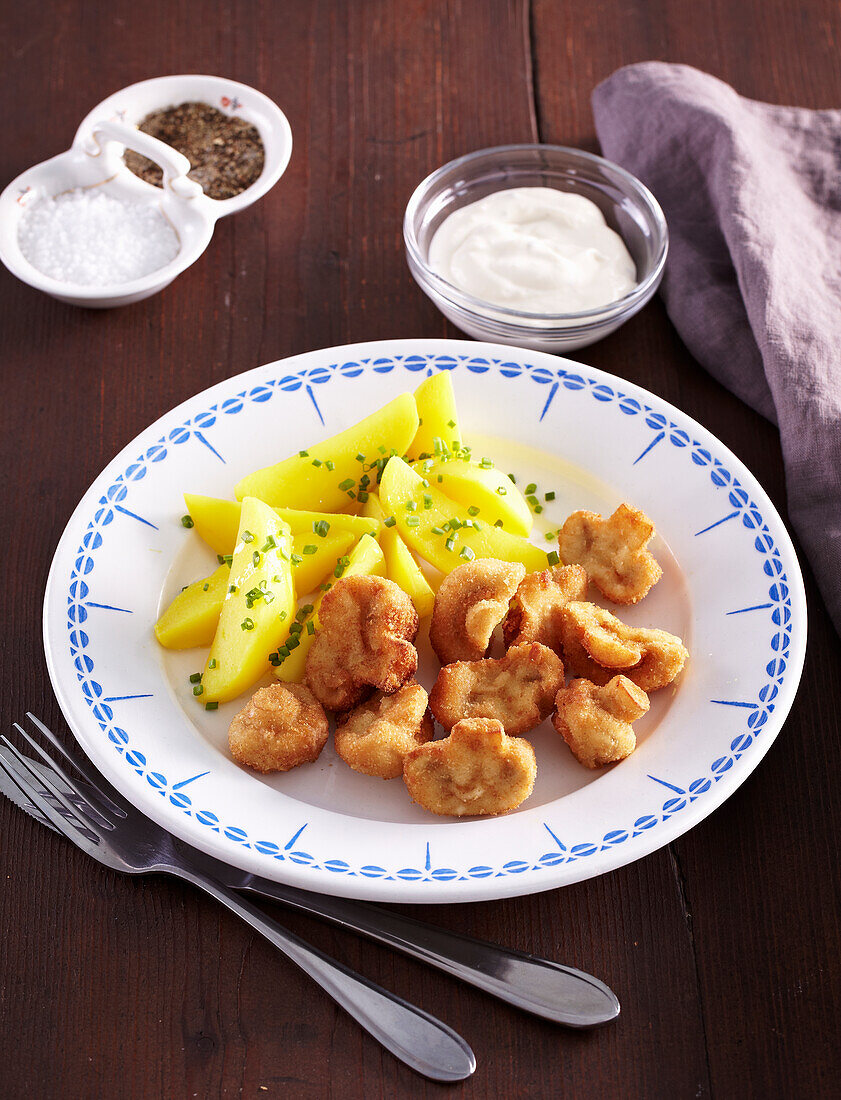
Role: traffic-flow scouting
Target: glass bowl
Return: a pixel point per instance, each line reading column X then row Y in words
column 628, row 207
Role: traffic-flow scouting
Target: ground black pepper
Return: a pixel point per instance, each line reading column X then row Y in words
column 226, row 153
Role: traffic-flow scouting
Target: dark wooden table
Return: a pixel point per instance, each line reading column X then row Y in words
column 723, row 947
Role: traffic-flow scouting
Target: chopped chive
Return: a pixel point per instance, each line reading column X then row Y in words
column 551, row 536
column 211, row 706
column 360, row 458
column 198, row 690
column 498, row 523
column 316, row 462
column 467, row 553
column 553, row 557
column 412, row 521
column 282, row 616
column 296, row 559
column 549, row 496
column 274, row 660
column 308, row 609
column 390, row 521
column 293, row 642
column 502, row 490
column 247, row 536
column 438, row 531
column 211, row 663
column 348, row 483
column 532, row 499
column 320, row 528
column 220, row 558
column 538, row 508
column 451, row 423
column 330, row 465
column 473, row 510
column 195, row 678
column 303, row 454
column 205, row 587
column 232, row 588
column 411, row 506
column 531, row 488
column 486, row 464
column 269, row 544
column 427, row 501
column 283, row 653
column 255, row 557
column 512, row 479
column 362, row 496
column 296, row 628
column 310, row 627
column 440, row 477
column 310, row 549
column 187, row 521
column 381, row 449
column 450, row 543
column 324, row 587
column 247, row 624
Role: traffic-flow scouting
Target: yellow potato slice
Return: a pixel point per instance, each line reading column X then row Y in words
column 486, row 488
column 404, row 495
column 365, row 560
column 400, row 566
column 191, row 618
column 436, row 404
column 217, row 521
column 246, row 635
column 304, row 480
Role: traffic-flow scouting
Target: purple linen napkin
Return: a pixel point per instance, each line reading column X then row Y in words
column 752, row 196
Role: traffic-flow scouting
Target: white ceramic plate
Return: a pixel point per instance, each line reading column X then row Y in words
column 731, row 587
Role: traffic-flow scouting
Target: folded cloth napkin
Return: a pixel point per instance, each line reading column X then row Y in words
column 752, row 196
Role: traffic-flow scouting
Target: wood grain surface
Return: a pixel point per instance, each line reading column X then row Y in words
column 723, row 947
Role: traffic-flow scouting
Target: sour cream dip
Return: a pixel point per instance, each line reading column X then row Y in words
column 533, row 249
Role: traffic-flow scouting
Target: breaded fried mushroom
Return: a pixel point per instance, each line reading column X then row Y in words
column 596, row 644
column 368, row 625
column 596, row 721
column 613, row 551
column 477, row 770
column 517, row 690
column 280, row 727
column 375, row 736
column 471, row 602
column 535, row 611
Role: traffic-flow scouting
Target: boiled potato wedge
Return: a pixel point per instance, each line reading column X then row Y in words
column 305, row 480
column 217, row 522
column 365, row 560
column 483, row 487
column 425, row 518
column 191, row 618
column 400, row 565
column 437, row 414
column 251, row 626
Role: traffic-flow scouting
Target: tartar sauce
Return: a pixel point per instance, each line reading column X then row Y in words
column 533, row 249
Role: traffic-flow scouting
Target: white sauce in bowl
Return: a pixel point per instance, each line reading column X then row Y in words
column 533, row 249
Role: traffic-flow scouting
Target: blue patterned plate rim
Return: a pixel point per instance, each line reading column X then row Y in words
column 93, row 717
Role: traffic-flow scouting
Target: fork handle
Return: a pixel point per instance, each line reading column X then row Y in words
column 542, row 987
column 418, row 1039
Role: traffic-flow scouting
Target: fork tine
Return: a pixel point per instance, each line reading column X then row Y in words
column 82, row 836
column 42, row 781
column 93, row 777
column 60, row 771
column 13, row 790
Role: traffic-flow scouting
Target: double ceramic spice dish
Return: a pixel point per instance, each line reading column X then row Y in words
column 95, row 160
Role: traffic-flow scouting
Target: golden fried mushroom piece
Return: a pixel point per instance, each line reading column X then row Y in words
column 535, row 611
column 478, row 769
column 613, row 551
column 596, row 721
column 470, row 604
column 280, row 727
column 518, row 689
column 593, row 637
column 368, row 625
column 375, row 737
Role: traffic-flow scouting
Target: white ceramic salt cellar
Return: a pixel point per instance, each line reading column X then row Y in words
column 95, row 159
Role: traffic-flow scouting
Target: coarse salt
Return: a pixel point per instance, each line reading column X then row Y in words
column 89, row 238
